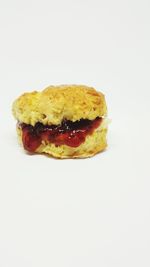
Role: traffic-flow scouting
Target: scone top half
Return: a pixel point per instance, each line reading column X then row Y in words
column 56, row 104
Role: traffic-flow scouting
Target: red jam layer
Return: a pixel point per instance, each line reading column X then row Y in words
column 69, row 133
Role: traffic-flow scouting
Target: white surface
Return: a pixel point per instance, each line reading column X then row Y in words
column 93, row 212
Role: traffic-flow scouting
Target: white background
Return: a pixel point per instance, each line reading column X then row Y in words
column 75, row 213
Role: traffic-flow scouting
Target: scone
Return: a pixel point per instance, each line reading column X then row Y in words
column 67, row 121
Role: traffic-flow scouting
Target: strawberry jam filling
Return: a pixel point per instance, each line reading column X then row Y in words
column 69, row 133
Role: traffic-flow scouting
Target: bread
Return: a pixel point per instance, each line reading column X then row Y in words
column 55, row 103
column 92, row 145
column 78, row 105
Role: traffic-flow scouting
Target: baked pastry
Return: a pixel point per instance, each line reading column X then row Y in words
column 67, row 121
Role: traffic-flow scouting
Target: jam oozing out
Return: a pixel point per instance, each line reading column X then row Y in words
column 69, row 133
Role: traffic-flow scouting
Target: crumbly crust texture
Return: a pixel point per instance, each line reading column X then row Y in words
column 56, row 103
column 93, row 144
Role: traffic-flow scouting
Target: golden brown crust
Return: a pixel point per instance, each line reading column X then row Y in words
column 56, row 103
column 93, row 144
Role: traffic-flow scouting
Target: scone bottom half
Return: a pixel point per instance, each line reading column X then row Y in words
column 73, row 122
